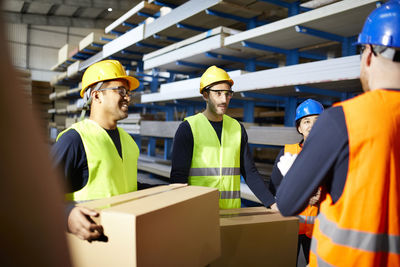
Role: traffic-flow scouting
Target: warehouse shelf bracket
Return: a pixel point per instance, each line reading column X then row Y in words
column 286, row 52
column 290, row 110
column 161, row 3
column 347, row 42
column 174, row 39
column 190, row 27
column 250, row 22
column 249, row 63
column 293, row 8
column 190, row 64
column 318, row 91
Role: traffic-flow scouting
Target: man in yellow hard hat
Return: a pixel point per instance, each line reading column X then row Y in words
column 98, row 158
column 211, row 149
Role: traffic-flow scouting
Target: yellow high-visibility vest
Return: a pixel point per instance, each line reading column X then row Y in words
column 109, row 174
column 214, row 163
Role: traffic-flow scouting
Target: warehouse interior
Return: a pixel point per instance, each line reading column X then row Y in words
column 278, row 53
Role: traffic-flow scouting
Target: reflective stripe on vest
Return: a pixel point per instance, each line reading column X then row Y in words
column 306, row 219
column 109, row 175
column 216, row 163
column 307, row 216
column 229, row 194
column 362, row 228
column 359, row 240
column 213, row 171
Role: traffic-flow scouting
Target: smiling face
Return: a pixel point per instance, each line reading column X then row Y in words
column 306, row 125
column 217, row 98
column 114, row 104
column 108, row 103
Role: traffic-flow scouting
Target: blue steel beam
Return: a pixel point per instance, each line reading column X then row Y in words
column 264, row 47
column 248, row 111
column 292, row 58
column 347, row 42
column 250, row 22
column 190, row 27
column 263, row 96
column 89, row 50
column 123, row 59
column 277, row 2
column 106, row 39
column 130, row 25
column 191, row 74
column 118, row 33
column 156, row 36
column 281, row 50
column 318, row 33
column 143, row 14
column 311, row 55
column 317, row 91
column 227, row 16
column 190, row 64
column 290, row 111
column 154, row 82
column 241, row 60
column 293, row 8
column 127, row 52
column 97, row 45
column 140, row 44
column 161, row 3
column 141, row 74
column 189, row 103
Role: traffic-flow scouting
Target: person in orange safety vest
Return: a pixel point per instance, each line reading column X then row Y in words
column 353, row 152
column 306, row 115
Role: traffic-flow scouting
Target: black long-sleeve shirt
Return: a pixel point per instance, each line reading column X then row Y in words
column 323, row 161
column 182, row 152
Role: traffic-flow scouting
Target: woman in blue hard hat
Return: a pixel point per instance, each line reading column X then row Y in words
column 306, row 115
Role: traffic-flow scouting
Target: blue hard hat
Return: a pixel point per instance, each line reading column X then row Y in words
column 307, row 108
column 382, row 26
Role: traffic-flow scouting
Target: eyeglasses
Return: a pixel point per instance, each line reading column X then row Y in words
column 219, row 93
column 122, row 91
column 363, row 47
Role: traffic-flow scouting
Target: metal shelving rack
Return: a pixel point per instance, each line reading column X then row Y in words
column 279, row 52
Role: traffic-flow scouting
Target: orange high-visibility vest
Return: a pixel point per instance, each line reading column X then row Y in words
column 363, row 227
column 307, row 216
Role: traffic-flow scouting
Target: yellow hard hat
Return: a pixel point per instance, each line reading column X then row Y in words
column 106, row 70
column 212, row 75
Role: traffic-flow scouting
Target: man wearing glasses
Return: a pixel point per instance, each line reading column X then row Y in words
column 210, row 148
column 353, row 153
column 98, row 159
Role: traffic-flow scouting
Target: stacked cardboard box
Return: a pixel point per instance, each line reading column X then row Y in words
column 174, row 225
column 257, row 237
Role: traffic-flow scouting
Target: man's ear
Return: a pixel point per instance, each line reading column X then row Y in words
column 205, row 95
column 95, row 96
column 369, row 56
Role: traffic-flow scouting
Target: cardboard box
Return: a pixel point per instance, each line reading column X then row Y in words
column 257, row 237
column 172, row 225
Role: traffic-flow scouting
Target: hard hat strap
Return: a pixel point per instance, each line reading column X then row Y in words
column 87, row 98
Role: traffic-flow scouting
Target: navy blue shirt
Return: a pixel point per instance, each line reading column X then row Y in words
column 323, row 160
column 182, row 152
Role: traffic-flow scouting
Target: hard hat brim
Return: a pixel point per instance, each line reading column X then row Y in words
column 132, row 81
column 230, row 82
